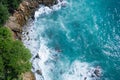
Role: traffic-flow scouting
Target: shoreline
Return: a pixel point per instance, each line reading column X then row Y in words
column 29, row 37
column 20, row 18
column 25, row 11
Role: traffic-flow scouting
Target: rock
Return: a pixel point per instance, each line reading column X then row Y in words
column 97, row 72
column 39, row 72
column 85, row 78
column 13, row 25
column 37, row 56
column 48, row 2
column 27, row 33
column 18, row 35
column 28, row 76
column 25, row 10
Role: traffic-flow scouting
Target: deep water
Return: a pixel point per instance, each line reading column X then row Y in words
column 73, row 40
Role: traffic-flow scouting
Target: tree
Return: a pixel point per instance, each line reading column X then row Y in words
column 7, row 7
column 1, row 68
column 14, row 56
column 11, row 4
column 19, row 58
column 3, row 14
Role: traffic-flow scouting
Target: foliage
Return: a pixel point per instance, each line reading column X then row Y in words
column 1, row 68
column 14, row 56
column 12, row 5
column 7, row 7
column 19, row 56
column 3, row 14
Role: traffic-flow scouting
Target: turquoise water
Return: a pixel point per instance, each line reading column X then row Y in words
column 84, row 32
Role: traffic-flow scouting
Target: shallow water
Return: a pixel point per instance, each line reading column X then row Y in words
column 70, row 41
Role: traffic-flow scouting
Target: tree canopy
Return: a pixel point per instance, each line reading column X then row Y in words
column 3, row 14
column 7, row 7
column 14, row 56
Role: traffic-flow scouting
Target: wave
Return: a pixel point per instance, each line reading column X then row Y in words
column 44, row 10
column 80, row 71
column 47, row 62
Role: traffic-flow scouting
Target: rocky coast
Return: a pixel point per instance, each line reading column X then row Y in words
column 25, row 11
column 20, row 17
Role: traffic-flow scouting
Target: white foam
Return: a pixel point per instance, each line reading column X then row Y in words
column 78, row 71
column 29, row 37
column 66, row 30
column 43, row 53
column 45, row 63
column 40, row 48
column 43, row 10
column 59, row 5
column 95, row 23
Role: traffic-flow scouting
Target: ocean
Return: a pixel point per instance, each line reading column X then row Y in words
column 73, row 38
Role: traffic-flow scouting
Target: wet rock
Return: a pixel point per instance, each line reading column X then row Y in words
column 48, row 2
column 85, row 78
column 18, row 35
column 28, row 38
column 97, row 72
column 39, row 72
column 37, row 56
column 27, row 33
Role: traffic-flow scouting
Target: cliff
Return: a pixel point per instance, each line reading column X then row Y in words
column 25, row 10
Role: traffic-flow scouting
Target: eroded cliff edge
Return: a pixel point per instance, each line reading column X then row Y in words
column 25, row 10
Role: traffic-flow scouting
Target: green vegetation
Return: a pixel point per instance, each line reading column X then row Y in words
column 3, row 14
column 14, row 57
column 7, row 7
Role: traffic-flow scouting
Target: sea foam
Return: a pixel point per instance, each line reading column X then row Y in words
column 45, row 59
column 44, row 10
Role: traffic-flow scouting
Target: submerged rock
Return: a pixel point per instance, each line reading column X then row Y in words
column 39, row 72
column 97, row 71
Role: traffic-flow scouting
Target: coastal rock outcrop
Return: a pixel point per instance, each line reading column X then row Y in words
column 20, row 16
column 28, row 76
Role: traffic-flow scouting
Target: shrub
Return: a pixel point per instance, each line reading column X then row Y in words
column 1, row 68
column 14, row 56
column 7, row 7
column 3, row 14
